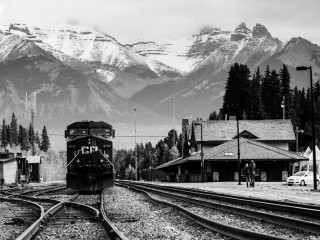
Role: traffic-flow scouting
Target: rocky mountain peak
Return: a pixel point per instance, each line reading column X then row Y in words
column 210, row 30
column 20, row 28
column 240, row 32
column 259, row 31
column 242, row 28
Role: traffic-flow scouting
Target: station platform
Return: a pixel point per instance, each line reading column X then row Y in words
column 266, row 190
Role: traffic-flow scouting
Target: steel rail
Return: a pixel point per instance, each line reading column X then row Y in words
column 35, row 205
column 234, row 232
column 297, row 208
column 114, row 231
column 50, row 190
column 35, row 227
column 306, row 226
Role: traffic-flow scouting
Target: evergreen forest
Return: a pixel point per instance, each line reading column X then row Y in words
column 14, row 135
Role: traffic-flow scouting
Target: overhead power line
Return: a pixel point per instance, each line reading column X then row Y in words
column 57, row 134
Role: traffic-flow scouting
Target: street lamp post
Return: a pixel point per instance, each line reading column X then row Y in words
column 201, row 153
column 283, row 105
column 303, row 68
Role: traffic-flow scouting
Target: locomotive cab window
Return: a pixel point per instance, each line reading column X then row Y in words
column 100, row 131
column 78, row 132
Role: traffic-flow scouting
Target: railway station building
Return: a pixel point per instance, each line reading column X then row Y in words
column 264, row 141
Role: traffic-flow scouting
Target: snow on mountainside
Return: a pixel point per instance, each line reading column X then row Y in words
column 172, row 51
column 63, row 93
column 200, row 91
column 192, row 68
column 75, row 44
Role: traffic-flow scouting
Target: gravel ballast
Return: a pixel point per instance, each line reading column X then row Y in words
column 7, row 213
column 149, row 221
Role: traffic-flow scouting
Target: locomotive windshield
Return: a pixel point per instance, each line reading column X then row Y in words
column 78, row 132
column 100, row 131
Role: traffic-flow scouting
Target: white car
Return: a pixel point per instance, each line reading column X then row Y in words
column 303, row 178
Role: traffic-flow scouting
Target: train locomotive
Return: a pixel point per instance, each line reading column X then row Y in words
column 89, row 156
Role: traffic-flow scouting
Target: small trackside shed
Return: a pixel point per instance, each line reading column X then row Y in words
column 8, row 168
column 34, row 168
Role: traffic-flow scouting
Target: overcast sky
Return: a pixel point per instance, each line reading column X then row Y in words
column 153, row 18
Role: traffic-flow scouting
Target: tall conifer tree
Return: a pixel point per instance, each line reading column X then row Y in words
column 237, row 91
column 9, row 135
column 45, row 142
column 4, row 135
column 286, row 92
column 256, row 108
column 25, row 140
column 14, row 129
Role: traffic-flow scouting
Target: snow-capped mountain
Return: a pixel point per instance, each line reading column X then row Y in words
column 64, row 94
column 192, row 68
column 127, row 71
column 200, row 91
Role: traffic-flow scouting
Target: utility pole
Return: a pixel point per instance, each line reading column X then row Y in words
column 239, row 159
column 33, row 112
column 174, row 121
column 135, row 142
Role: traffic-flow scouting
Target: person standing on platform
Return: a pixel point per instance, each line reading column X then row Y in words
column 252, row 169
column 246, row 172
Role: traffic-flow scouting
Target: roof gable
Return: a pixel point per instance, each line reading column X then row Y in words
column 246, row 134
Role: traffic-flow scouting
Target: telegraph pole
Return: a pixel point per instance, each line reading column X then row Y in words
column 174, row 120
column 135, row 142
column 33, row 114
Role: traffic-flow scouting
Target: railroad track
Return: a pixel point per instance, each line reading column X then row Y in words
column 17, row 215
column 76, row 218
column 205, row 200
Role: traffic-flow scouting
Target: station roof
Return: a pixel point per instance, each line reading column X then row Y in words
column 262, row 130
column 249, row 150
column 34, row 159
column 5, row 160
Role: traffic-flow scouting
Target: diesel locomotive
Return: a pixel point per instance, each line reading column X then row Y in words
column 89, row 156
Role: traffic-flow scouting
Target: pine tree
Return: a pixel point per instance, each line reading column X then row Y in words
column 303, row 115
column 256, row 108
column 266, row 92
column 14, row 129
column 275, row 110
column 4, row 135
column 235, row 100
column 31, row 136
column 286, row 92
column 37, row 139
column 316, row 91
column 9, row 135
column 20, row 135
column 25, row 145
column 213, row 116
column 45, row 142
column 296, row 108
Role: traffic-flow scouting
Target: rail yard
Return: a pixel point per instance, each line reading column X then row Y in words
column 142, row 210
